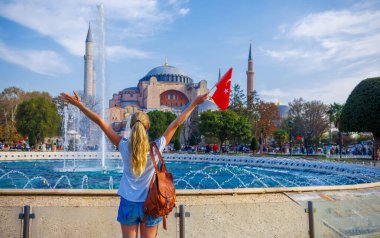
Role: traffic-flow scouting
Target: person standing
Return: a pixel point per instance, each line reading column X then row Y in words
column 137, row 168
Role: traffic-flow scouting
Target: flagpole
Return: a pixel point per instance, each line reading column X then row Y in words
column 213, row 86
column 209, row 97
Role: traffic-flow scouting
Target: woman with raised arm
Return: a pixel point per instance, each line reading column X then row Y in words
column 138, row 170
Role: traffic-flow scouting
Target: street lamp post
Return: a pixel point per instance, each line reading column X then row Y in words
column 290, row 124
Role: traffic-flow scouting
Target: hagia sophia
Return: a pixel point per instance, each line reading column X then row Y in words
column 165, row 88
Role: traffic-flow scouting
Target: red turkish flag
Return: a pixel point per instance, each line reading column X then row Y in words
column 221, row 95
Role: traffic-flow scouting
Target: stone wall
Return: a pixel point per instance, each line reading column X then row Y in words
column 265, row 215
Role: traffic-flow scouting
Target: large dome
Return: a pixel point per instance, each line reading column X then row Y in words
column 168, row 73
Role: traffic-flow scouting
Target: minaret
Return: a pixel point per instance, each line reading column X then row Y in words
column 250, row 73
column 89, row 72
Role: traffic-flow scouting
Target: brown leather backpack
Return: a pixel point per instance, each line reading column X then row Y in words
column 161, row 196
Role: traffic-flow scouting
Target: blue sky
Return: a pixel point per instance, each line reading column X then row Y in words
column 318, row 50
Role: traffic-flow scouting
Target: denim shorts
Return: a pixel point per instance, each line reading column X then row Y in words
column 132, row 213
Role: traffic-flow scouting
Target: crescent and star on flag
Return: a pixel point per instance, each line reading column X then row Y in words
column 221, row 96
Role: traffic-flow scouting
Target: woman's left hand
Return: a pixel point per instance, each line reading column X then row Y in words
column 201, row 98
column 74, row 100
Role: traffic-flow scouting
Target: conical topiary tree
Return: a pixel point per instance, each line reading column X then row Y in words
column 361, row 112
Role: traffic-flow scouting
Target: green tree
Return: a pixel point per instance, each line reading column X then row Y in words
column 224, row 125
column 264, row 124
column 309, row 120
column 254, row 144
column 242, row 133
column 281, row 137
column 194, row 136
column 251, row 108
column 169, row 118
column 159, row 121
column 237, row 99
column 361, row 113
column 158, row 124
column 334, row 113
column 37, row 118
column 177, row 144
column 10, row 98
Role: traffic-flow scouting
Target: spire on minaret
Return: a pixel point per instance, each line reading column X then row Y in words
column 89, row 34
column 250, row 73
column 250, row 52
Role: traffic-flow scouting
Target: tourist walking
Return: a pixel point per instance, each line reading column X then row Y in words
column 138, row 169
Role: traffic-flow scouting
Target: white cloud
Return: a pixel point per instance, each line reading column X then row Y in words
column 117, row 52
column 273, row 95
column 67, row 21
column 275, row 92
column 282, row 55
column 335, row 89
column 183, row 11
column 329, row 23
column 42, row 62
column 331, row 37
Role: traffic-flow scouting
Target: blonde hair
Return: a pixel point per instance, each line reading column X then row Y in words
column 139, row 145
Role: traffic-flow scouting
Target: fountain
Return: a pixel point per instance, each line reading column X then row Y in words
column 193, row 172
column 102, row 68
column 65, row 142
column 127, row 132
column 74, row 123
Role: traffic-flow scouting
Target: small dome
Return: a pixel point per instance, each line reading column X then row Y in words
column 207, row 105
column 168, row 73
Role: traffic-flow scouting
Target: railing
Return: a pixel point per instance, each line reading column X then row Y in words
column 349, row 218
column 353, row 218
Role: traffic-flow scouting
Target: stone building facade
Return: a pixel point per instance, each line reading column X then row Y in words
column 163, row 88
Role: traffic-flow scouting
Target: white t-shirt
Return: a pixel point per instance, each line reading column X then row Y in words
column 133, row 188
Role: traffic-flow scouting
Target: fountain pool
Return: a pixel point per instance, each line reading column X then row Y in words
column 190, row 172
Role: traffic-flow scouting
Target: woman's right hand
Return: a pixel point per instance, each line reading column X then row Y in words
column 74, row 100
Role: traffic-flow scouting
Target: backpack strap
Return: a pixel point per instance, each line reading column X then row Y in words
column 164, row 222
column 152, row 156
column 163, row 166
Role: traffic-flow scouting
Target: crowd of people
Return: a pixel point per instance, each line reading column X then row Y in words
column 365, row 148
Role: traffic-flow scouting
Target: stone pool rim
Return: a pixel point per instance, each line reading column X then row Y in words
column 43, row 156
column 189, row 192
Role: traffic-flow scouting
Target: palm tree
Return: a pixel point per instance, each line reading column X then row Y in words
column 334, row 112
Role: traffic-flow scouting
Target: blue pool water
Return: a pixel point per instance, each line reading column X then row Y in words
column 202, row 174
